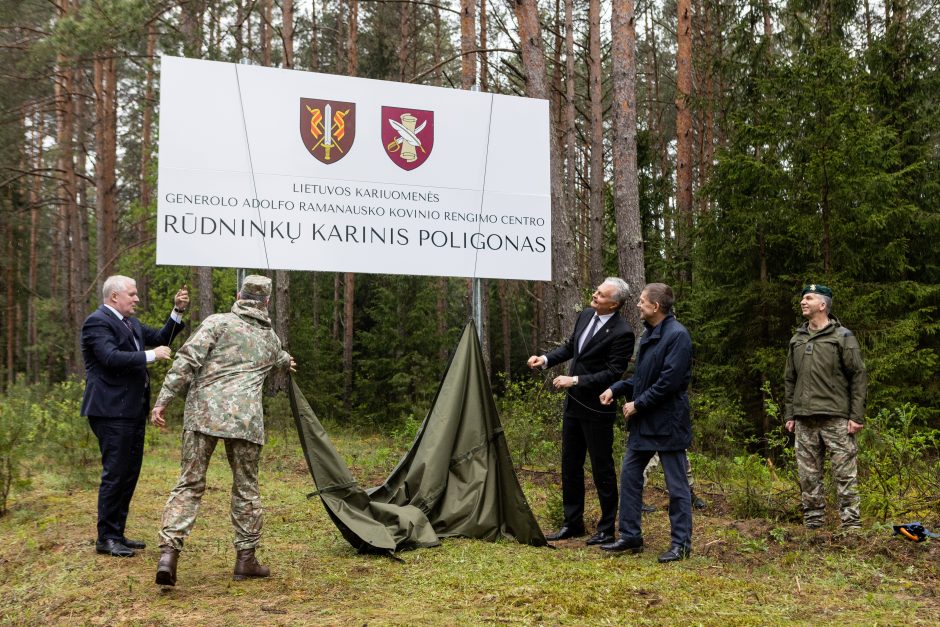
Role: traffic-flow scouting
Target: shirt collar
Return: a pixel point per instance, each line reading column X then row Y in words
column 116, row 312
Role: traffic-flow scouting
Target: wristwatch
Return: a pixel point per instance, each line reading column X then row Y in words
column 178, row 310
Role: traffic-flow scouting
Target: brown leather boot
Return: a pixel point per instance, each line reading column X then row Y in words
column 166, row 568
column 246, row 566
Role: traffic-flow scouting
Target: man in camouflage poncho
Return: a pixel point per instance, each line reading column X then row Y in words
column 826, row 386
column 223, row 366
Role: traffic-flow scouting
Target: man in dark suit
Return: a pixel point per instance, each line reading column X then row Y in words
column 117, row 399
column 599, row 350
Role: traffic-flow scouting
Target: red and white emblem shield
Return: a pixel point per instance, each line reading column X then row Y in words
column 407, row 135
column 327, row 128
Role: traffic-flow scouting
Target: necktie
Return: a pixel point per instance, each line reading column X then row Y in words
column 127, row 323
column 590, row 332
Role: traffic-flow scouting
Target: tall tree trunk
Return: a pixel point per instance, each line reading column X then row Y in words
column 267, row 15
column 314, row 38
column 79, row 255
column 468, row 43
column 596, row 204
column 9, row 279
column 484, row 56
column 32, row 282
column 684, row 139
column 205, row 298
column 352, row 44
column 105, row 77
column 570, row 130
column 707, row 118
column 287, row 31
column 146, row 130
column 562, row 297
column 626, row 183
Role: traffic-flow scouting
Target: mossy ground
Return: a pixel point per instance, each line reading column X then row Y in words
column 742, row 572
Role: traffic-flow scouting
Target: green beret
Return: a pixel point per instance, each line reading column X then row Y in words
column 816, row 288
column 256, row 285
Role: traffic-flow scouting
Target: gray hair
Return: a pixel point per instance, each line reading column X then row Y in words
column 114, row 284
column 828, row 301
column 622, row 290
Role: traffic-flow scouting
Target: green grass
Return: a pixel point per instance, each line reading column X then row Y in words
column 742, row 572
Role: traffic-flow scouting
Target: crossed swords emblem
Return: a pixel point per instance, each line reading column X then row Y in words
column 407, row 139
column 325, row 126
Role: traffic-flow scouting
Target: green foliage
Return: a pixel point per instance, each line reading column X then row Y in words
column 719, row 425
column 42, row 423
column 899, row 465
column 531, row 418
column 17, row 432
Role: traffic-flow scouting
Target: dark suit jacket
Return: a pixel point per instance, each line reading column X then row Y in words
column 116, row 379
column 602, row 362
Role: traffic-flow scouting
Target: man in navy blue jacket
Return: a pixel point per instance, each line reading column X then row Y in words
column 117, row 399
column 599, row 350
column 658, row 420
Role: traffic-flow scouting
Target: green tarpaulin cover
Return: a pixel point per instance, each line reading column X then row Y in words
column 457, row 479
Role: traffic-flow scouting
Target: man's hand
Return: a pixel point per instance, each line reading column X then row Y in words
column 561, row 382
column 293, row 365
column 535, row 361
column 854, row 427
column 157, row 416
column 790, row 425
column 162, row 352
column 629, row 409
column 607, row 397
column 181, row 300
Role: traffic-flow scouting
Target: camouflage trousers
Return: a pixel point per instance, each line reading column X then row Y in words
column 179, row 514
column 814, row 435
column 654, row 462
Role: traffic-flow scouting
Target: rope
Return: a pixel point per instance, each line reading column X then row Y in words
column 251, row 167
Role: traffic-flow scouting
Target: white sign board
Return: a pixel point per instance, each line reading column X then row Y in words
column 280, row 169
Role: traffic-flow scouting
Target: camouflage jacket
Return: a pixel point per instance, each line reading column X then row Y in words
column 223, row 366
column 825, row 374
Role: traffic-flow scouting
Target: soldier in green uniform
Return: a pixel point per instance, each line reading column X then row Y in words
column 221, row 369
column 826, row 385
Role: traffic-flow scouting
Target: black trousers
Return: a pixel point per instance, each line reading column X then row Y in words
column 121, row 442
column 596, row 439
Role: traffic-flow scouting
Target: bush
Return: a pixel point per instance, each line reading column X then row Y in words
column 531, row 418
column 899, row 464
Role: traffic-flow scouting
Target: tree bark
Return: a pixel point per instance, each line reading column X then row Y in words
column 562, row 298
column 146, row 130
column 105, row 81
column 468, row 42
column 596, row 218
column 626, row 183
column 287, row 31
column 684, row 139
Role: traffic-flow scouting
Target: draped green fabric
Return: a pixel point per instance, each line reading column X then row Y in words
column 457, row 479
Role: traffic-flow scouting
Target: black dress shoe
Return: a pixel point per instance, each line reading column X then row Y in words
column 697, row 502
column 114, row 548
column 675, row 553
column 564, row 533
column 633, row 545
column 600, row 537
column 133, row 544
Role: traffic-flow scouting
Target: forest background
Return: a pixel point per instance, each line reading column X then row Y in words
column 734, row 149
